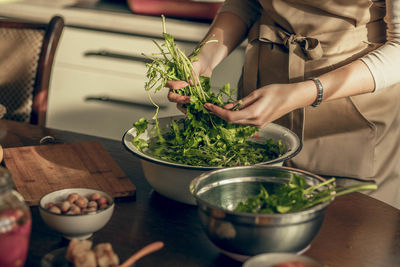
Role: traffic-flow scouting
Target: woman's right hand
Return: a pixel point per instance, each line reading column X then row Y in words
column 181, row 100
column 175, row 97
column 229, row 31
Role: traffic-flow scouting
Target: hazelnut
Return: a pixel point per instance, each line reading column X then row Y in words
column 82, row 202
column 102, row 201
column 103, row 206
column 73, row 197
column 92, row 204
column 65, row 205
column 95, row 196
column 55, row 209
column 49, row 205
column 74, row 209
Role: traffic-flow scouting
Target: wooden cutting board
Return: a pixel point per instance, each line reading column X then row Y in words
column 37, row 170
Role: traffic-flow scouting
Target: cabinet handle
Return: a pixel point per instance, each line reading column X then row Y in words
column 120, row 101
column 115, row 55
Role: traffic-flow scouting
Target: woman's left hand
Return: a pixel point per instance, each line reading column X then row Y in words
column 265, row 104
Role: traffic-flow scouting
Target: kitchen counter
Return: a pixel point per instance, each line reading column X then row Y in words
column 101, row 15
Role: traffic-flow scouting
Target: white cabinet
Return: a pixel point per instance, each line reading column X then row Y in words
column 98, row 81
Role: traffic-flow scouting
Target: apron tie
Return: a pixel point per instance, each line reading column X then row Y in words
column 299, row 48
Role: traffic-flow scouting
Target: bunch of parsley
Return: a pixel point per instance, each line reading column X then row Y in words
column 296, row 195
column 201, row 139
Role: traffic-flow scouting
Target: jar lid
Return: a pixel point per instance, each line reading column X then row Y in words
column 6, row 182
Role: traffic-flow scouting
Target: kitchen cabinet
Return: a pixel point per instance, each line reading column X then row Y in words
column 98, row 78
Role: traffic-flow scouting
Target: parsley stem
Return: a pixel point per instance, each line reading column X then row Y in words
column 340, row 191
column 313, row 188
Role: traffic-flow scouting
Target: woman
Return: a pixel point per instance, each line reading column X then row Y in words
column 324, row 69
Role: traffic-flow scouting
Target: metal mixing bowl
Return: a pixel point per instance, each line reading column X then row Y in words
column 172, row 179
column 217, row 194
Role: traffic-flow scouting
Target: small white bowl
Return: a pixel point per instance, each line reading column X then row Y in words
column 80, row 226
column 272, row 259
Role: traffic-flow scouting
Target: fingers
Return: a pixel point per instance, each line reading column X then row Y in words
column 231, row 106
column 177, row 98
column 242, row 103
column 226, row 114
column 245, row 116
column 175, row 85
column 174, row 97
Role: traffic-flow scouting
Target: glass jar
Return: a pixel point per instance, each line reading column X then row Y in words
column 15, row 223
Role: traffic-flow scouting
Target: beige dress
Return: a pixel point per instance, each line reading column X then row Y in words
column 356, row 136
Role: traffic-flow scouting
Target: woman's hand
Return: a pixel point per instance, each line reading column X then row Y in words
column 181, row 100
column 229, row 31
column 266, row 104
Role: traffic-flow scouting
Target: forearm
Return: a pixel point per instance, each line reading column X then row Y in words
column 349, row 80
column 272, row 101
column 229, row 31
column 352, row 79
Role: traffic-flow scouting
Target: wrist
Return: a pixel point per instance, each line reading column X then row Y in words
column 320, row 91
column 303, row 94
column 205, row 68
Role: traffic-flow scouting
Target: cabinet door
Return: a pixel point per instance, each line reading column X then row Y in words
column 98, row 81
column 99, row 51
column 101, row 104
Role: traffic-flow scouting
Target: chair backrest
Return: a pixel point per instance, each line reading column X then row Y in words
column 26, row 58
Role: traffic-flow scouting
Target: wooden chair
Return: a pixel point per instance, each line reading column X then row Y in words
column 26, row 58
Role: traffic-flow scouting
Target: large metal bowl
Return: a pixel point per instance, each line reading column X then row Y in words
column 217, row 194
column 172, row 179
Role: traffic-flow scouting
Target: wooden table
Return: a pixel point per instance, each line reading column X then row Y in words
column 357, row 231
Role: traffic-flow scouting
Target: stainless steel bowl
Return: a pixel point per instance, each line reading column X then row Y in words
column 172, row 179
column 217, row 194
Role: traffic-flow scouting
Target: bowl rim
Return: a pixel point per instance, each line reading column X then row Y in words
column 260, row 258
column 131, row 148
column 111, row 205
column 307, row 211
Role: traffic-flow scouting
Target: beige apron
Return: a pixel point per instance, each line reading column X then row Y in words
column 350, row 137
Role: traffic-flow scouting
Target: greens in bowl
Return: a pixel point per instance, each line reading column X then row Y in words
column 184, row 143
column 201, row 138
column 174, row 150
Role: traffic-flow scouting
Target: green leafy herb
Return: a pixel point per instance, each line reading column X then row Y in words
column 296, row 195
column 141, row 127
column 201, row 139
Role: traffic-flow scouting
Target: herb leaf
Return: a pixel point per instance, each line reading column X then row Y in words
column 296, row 195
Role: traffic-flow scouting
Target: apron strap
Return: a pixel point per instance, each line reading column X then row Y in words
column 300, row 48
column 251, row 61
